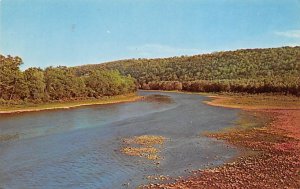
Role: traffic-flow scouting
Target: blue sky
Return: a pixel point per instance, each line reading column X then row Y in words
column 75, row 32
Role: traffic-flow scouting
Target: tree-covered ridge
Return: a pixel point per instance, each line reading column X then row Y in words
column 57, row 83
column 247, row 70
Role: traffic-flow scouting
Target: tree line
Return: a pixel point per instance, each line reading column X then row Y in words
column 237, row 86
column 270, row 70
column 57, row 83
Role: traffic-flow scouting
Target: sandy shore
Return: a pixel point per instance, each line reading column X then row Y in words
column 70, row 104
column 273, row 161
column 255, row 102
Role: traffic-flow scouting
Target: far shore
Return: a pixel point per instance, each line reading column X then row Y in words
column 68, row 104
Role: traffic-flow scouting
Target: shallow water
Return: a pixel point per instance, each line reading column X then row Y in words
column 80, row 147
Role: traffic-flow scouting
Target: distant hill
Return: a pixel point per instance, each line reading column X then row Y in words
column 246, row 70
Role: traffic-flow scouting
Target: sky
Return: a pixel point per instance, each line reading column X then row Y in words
column 75, row 32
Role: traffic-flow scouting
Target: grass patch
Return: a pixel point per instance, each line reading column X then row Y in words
column 146, row 146
column 146, row 140
column 8, row 137
column 147, row 152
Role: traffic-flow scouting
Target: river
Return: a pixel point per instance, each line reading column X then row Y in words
column 80, row 147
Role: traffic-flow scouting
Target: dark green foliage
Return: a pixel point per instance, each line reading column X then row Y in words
column 248, row 70
column 12, row 81
column 57, row 83
column 61, row 83
column 35, row 80
column 108, row 83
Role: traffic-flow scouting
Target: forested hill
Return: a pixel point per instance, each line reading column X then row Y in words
column 247, row 70
column 57, row 83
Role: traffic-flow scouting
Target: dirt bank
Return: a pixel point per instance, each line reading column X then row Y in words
column 69, row 104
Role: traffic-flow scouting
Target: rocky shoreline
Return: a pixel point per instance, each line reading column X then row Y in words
column 273, row 163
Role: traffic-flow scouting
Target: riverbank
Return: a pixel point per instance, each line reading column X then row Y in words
column 270, row 129
column 68, row 104
column 254, row 101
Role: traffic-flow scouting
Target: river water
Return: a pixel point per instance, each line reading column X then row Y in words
column 80, row 147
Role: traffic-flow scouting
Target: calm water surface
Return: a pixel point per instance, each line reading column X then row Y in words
column 80, row 148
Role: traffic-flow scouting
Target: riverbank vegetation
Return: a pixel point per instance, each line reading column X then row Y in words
column 31, row 107
column 57, row 84
column 270, row 70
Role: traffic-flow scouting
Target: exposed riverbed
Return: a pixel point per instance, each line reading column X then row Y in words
column 80, row 148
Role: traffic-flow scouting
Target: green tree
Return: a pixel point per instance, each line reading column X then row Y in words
column 35, row 80
column 12, row 82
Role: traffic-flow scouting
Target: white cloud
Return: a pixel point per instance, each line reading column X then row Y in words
column 158, row 50
column 289, row 33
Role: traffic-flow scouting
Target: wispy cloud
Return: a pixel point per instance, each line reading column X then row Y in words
column 158, row 50
column 289, row 33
